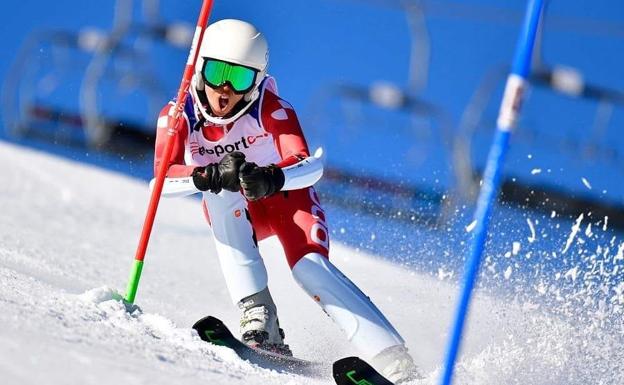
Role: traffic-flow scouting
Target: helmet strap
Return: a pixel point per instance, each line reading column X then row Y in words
column 253, row 94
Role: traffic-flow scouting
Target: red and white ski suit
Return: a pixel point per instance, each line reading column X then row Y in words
column 269, row 132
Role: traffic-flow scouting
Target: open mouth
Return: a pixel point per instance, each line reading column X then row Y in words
column 224, row 100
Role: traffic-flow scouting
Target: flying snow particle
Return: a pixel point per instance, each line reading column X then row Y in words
column 586, row 183
column 536, row 171
column 588, row 230
column 532, row 238
column 515, row 248
column 471, row 226
column 553, row 214
column 541, row 288
column 620, row 253
column 442, row 275
column 507, row 273
column 575, row 229
column 572, row 273
column 604, row 227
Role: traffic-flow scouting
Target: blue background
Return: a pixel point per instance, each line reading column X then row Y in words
column 316, row 44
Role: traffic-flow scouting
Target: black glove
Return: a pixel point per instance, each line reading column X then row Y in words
column 259, row 182
column 207, row 178
column 228, row 169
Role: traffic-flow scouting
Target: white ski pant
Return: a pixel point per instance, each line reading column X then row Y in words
column 245, row 274
column 364, row 325
column 241, row 264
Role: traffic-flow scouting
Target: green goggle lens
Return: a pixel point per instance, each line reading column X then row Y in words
column 216, row 73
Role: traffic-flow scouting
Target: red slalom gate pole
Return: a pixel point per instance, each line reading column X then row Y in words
column 172, row 130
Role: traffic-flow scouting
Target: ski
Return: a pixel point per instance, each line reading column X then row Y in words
column 214, row 331
column 355, row 371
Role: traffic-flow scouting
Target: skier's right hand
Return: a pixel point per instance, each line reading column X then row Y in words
column 228, row 168
column 207, row 178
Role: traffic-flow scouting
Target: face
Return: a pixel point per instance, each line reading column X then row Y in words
column 222, row 99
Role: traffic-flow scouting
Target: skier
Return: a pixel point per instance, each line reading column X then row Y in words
column 244, row 148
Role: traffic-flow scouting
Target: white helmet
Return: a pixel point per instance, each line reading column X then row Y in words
column 236, row 42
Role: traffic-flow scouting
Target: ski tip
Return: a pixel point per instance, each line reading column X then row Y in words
column 354, row 370
column 213, row 330
column 207, row 321
column 345, row 362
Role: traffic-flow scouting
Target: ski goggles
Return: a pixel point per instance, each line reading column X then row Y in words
column 217, row 72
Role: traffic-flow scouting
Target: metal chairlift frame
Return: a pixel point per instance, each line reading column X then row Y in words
column 20, row 85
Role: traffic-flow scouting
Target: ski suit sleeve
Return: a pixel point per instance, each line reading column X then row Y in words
column 298, row 168
column 177, row 167
column 280, row 120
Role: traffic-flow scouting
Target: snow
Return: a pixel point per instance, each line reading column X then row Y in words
column 588, row 230
column 532, row 237
column 572, row 273
column 508, row 272
column 67, row 238
column 575, row 229
column 471, row 226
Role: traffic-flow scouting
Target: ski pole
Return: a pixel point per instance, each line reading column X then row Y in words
column 175, row 114
column 507, row 118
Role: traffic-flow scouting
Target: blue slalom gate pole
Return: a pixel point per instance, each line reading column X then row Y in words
column 507, row 117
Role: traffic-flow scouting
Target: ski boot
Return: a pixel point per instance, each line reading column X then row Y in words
column 259, row 324
column 396, row 365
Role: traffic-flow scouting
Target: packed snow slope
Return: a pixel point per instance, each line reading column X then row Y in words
column 68, row 233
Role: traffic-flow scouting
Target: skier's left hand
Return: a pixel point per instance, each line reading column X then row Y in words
column 258, row 182
column 228, row 169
